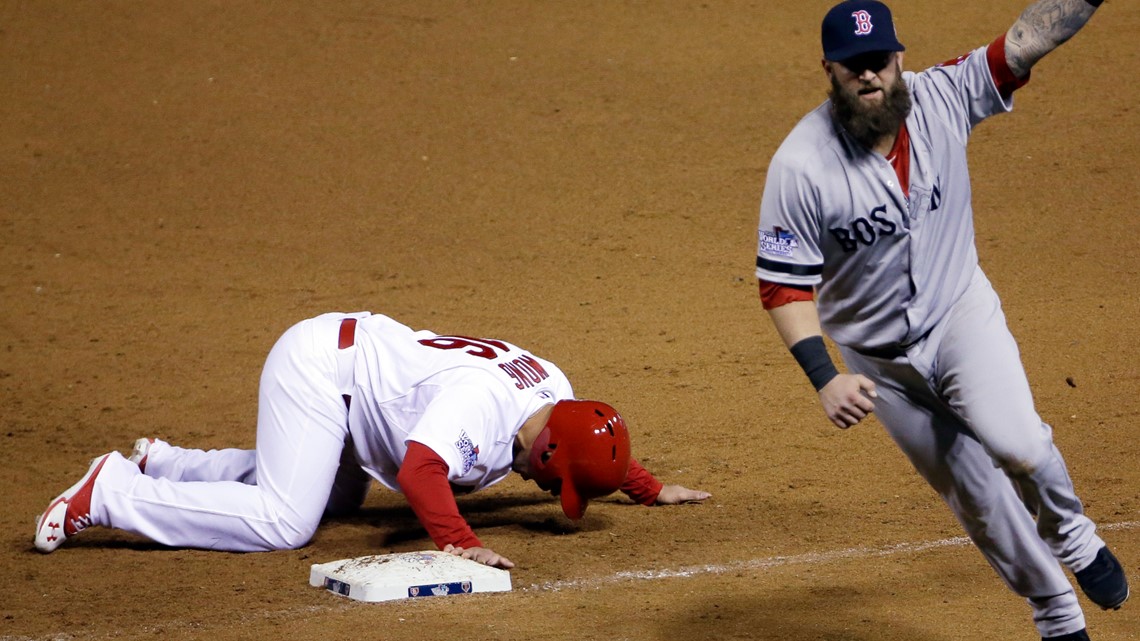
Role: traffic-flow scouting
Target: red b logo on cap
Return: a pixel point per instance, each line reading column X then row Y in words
column 862, row 22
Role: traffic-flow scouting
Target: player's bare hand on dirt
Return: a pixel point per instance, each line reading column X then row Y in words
column 675, row 494
column 486, row 556
column 847, row 399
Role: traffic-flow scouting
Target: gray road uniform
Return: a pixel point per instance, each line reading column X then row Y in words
column 900, row 291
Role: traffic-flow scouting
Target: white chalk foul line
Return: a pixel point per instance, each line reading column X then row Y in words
column 810, row 558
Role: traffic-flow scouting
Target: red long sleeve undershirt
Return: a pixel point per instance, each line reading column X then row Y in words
column 423, row 480
column 773, row 295
column 1003, row 76
column 640, row 485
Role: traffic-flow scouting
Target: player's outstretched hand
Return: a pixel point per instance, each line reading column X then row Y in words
column 847, row 399
column 674, row 494
column 486, row 556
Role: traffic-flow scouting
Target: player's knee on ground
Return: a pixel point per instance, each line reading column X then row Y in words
column 289, row 530
column 287, row 536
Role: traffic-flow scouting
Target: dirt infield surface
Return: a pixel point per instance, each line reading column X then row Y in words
column 183, row 181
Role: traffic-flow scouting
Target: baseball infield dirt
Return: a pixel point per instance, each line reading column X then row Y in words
column 184, row 181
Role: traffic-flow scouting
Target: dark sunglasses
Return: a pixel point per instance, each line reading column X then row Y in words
column 873, row 61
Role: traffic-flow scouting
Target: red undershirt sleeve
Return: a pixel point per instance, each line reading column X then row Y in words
column 999, row 68
column 423, row 480
column 640, row 485
column 773, row 295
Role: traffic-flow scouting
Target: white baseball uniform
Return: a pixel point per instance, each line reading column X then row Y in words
column 899, row 289
column 464, row 398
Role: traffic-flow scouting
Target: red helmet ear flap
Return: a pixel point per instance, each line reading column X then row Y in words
column 573, row 505
column 540, row 455
column 584, row 447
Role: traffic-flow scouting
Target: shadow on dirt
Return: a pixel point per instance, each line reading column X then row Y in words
column 536, row 514
column 848, row 612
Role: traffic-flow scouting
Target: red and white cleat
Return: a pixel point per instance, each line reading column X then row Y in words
column 69, row 513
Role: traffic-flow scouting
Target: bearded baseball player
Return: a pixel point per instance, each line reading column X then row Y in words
column 866, row 232
column 347, row 398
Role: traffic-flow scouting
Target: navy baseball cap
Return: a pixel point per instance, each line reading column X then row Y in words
column 856, row 27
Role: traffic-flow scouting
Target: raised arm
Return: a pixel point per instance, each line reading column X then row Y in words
column 1041, row 28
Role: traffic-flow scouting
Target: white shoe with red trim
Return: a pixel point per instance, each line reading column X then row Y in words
column 69, row 513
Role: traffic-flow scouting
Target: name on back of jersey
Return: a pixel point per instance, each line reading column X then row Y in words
column 524, row 370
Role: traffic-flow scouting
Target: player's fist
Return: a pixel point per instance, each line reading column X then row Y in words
column 486, row 556
column 674, row 494
column 847, row 398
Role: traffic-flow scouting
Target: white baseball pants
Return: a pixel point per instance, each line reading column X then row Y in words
column 270, row 498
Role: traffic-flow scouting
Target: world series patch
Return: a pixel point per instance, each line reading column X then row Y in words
column 778, row 242
column 468, row 450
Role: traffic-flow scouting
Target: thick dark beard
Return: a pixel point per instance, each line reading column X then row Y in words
column 866, row 123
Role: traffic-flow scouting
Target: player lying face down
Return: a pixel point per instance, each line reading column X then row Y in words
column 349, row 399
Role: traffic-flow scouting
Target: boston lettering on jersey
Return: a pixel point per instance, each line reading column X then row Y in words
column 863, row 230
column 866, row 230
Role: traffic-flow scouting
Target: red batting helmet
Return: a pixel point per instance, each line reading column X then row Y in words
column 584, row 448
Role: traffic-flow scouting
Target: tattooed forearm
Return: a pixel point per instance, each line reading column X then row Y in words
column 1043, row 27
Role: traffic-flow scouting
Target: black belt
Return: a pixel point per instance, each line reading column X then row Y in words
column 346, row 339
column 888, row 353
column 891, row 352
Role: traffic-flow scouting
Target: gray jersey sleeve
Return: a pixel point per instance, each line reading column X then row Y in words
column 961, row 93
column 788, row 244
